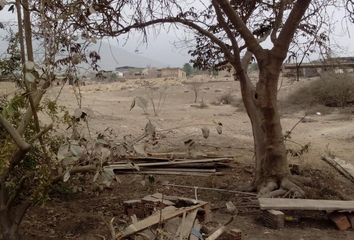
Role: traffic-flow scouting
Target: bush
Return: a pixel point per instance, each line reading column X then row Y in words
column 331, row 90
column 227, row 98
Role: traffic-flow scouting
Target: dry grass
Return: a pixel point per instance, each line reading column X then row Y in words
column 331, row 90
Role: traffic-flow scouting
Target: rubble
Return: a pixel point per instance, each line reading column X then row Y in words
column 171, row 216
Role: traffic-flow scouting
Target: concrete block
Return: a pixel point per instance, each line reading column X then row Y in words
column 273, row 219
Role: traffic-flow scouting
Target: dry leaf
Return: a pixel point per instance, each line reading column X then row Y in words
column 132, row 105
column 219, row 129
column 205, row 132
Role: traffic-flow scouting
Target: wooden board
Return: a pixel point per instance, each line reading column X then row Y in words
column 160, row 216
column 305, row 204
column 196, row 227
column 174, row 162
column 187, row 225
column 197, row 174
column 157, row 200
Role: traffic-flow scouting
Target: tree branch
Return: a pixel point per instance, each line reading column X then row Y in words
column 286, row 35
column 28, row 30
column 28, row 114
column 230, row 35
column 41, row 133
column 278, row 20
column 185, row 22
column 246, row 34
column 75, row 170
column 20, row 31
column 20, row 142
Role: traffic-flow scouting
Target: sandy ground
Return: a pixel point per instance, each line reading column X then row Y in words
column 180, row 121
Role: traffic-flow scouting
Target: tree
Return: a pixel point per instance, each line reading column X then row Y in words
column 32, row 157
column 231, row 32
column 188, row 69
column 228, row 32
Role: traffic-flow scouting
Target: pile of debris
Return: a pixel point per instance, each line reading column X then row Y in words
column 278, row 210
column 167, row 166
column 159, row 216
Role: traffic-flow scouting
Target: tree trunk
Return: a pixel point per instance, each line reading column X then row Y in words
column 9, row 228
column 272, row 171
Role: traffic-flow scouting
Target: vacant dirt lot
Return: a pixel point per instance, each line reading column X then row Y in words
column 77, row 215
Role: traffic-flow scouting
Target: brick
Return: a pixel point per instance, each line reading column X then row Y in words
column 351, row 219
column 134, row 207
column 273, row 219
column 235, row 234
column 207, row 213
column 341, row 221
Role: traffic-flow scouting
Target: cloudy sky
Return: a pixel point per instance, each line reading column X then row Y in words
column 168, row 46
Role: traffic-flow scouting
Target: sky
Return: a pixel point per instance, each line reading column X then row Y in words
column 162, row 47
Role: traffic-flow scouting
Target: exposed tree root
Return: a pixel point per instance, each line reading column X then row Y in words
column 275, row 193
column 284, row 188
column 267, row 187
column 251, row 187
column 300, row 180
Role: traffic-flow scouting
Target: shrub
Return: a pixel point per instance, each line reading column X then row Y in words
column 227, row 98
column 332, row 90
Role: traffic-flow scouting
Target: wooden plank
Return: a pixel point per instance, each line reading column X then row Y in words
column 195, row 230
column 343, row 167
column 174, row 162
column 305, row 204
column 171, row 226
column 156, row 200
column 217, row 233
column 160, row 216
column 197, row 174
column 181, row 170
column 172, row 155
column 187, row 225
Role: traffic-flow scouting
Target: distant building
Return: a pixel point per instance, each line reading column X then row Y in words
column 171, row 73
column 130, row 72
column 315, row 68
column 150, row 72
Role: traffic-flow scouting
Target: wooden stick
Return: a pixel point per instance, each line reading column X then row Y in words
column 41, row 133
column 217, row 233
column 197, row 174
column 344, row 168
column 212, row 189
column 175, row 162
column 220, row 231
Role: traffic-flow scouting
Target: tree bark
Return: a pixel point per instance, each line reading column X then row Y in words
column 271, row 163
column 9, row 229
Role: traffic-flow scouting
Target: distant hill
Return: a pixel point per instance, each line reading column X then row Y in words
column 112, row 57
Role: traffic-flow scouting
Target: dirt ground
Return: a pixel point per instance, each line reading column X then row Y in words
column 78, row 215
